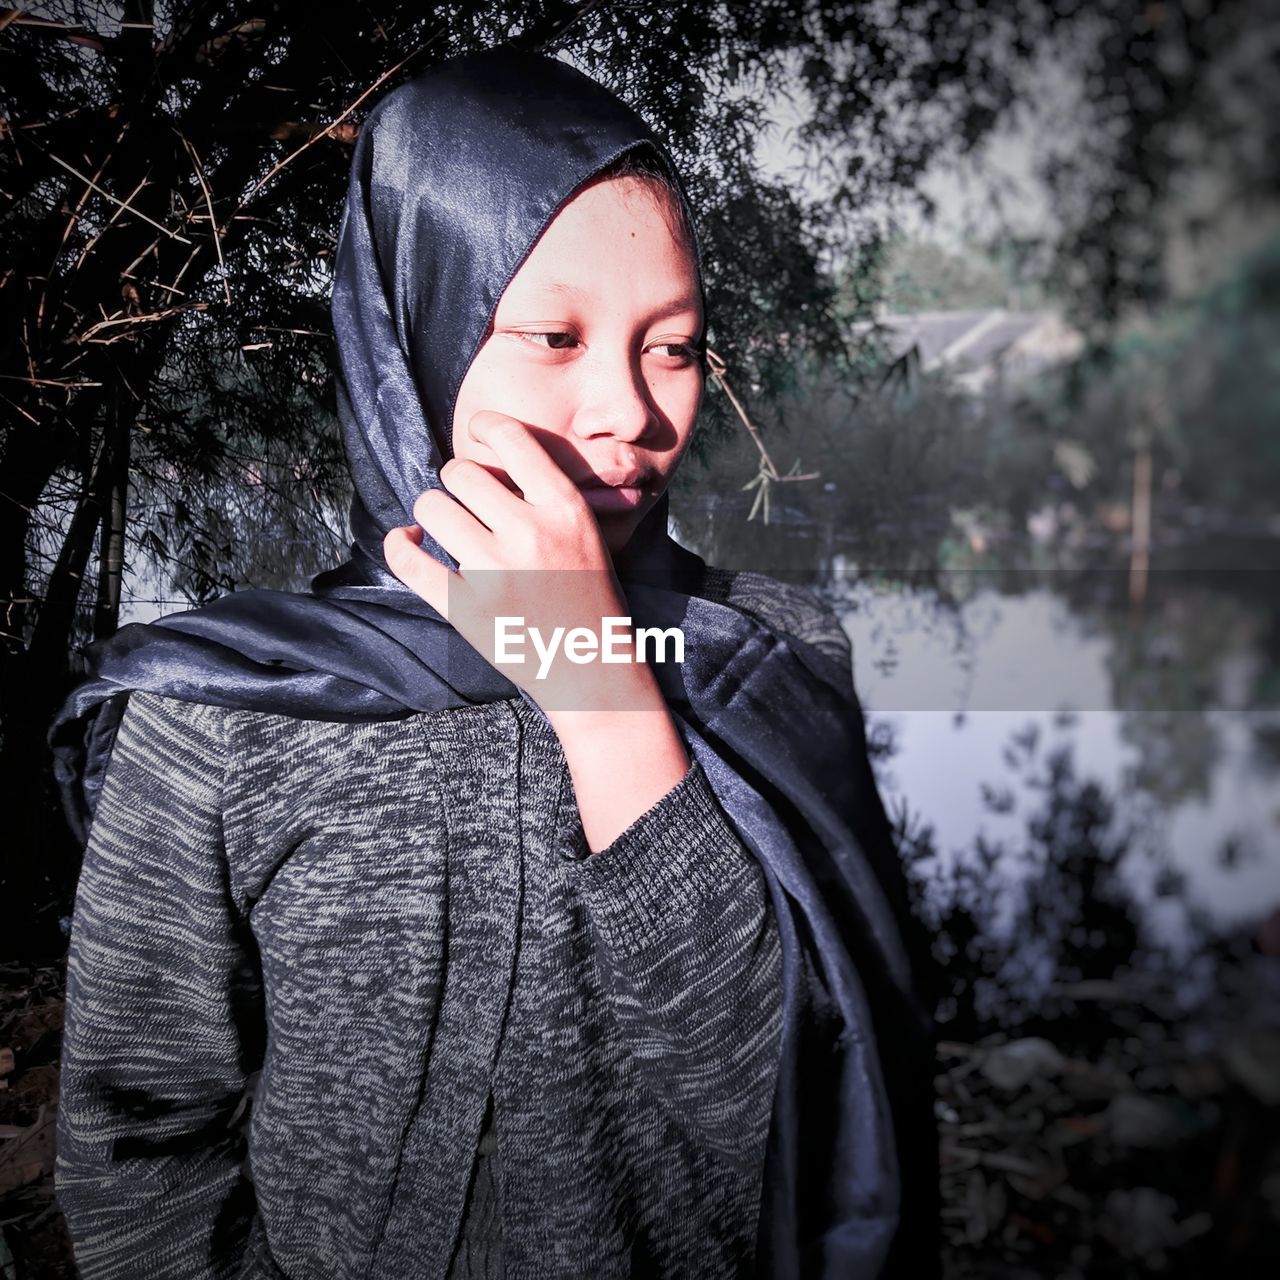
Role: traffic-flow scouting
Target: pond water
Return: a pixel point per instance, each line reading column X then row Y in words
column 956, row 686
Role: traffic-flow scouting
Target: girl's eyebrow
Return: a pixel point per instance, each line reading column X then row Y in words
column 682, row 302
column 565, row 290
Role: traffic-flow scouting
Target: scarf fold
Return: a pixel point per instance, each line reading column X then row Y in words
column 454, row 176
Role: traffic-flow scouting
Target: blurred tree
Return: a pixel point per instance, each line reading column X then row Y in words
column 1198, row 384
column 1176, row 139
column 919, row 275
column 1225, row 378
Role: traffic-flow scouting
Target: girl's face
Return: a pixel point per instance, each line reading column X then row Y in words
column 595, row 348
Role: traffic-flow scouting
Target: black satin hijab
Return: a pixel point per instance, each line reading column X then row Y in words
column 455, row 175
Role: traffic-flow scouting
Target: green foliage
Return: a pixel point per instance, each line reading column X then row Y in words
column 1201, row 382
column 918, row 275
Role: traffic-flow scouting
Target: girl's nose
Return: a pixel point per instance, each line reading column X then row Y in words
column 615, row 401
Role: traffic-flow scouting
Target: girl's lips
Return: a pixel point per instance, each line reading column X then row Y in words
column 603, row 497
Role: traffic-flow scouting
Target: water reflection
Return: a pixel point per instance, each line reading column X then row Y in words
column 1177, row 742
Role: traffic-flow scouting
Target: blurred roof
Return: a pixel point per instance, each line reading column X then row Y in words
column 979, row 347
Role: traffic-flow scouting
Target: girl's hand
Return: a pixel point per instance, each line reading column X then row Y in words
column 541, row 557
column 537, row 555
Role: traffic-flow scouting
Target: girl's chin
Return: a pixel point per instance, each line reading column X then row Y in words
column 618, row 527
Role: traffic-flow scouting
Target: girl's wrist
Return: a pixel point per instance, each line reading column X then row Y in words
column 591, row 692
column 635, row 739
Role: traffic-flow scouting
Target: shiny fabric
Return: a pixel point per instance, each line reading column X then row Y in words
column 454, row 177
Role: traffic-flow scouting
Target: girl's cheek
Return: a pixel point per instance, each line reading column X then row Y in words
column 542, row 401
column 524, row 391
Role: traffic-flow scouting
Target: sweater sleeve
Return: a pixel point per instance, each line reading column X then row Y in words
column 162, row 1011
column 689, row 954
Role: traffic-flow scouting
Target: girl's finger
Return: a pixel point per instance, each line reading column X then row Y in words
column 423, row 574
column 527, row 463
column 481, row 492
column 454, row 528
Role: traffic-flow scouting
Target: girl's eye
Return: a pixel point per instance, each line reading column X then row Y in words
column 554, row 340
column 678, row 351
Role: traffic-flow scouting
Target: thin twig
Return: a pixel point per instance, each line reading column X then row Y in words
column 112, row 322
column 173, row 235
column 67, row 30
column 768, row 475
column 291, row 129
column 12, row 15
column 766, row 462
column 328, row 130
column 35, row 421
column 84, row 195
column 186, row 266
column 213, row 220
column 26, row 335
column 149, row 249
column 47, row 382
column 22, row 506
column 155, row 284
column 718, row 367
column 84, row 253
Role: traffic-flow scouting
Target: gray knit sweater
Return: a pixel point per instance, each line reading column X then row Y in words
column 396, row 925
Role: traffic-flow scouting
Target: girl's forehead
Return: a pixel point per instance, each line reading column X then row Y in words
column 614, row 233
